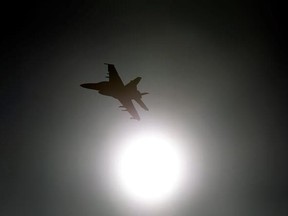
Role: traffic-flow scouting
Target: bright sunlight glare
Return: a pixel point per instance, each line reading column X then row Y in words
column 150, row 168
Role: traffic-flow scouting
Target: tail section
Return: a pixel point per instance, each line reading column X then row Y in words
column 136, row 95
column 133, row 83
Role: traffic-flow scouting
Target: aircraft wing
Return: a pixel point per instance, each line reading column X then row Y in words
column 129, row 107
column 141, row 103
column 113, row 76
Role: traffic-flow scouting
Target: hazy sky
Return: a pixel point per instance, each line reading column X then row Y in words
column 215, row 71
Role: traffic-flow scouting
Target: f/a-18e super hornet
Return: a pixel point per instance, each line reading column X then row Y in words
column 114, row 87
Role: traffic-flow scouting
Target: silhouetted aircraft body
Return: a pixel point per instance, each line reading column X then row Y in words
column 116, row 88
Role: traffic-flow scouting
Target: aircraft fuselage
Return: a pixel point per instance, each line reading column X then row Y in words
column 108, row 89
column 124, row 93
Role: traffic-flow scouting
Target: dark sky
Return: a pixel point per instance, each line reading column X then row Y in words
column 216, row 70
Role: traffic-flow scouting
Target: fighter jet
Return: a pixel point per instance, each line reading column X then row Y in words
column 114, row 87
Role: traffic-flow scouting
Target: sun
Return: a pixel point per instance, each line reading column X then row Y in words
column 150, row 168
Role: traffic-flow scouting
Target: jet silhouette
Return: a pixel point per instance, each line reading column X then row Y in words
column 116, row 88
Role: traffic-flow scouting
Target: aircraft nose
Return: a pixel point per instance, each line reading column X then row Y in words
column 87, row 85
column 83, row 85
